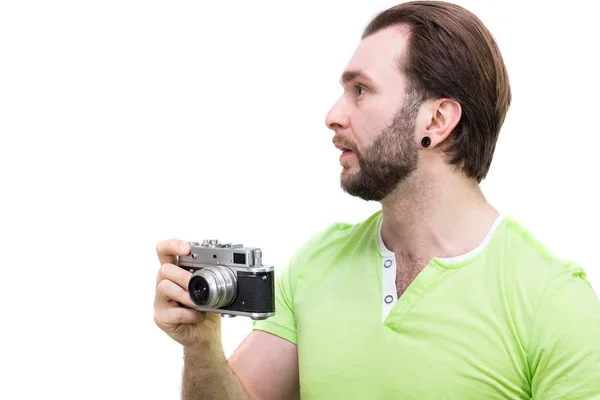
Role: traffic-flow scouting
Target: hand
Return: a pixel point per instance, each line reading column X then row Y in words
column 189, row 327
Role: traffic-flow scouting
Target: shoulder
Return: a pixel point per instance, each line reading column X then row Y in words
column 337, row 238
column 530, row 260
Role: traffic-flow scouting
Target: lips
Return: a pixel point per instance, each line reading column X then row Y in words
column 345, row 154
column 346, row 151
column 343, row 148
column 346, row 146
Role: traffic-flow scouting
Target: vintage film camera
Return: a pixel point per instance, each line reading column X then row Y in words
column 230, row 279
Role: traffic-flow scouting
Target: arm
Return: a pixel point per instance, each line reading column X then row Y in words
column 267, row 366
column 565, row 340
column 263, row 367
column 206, row 375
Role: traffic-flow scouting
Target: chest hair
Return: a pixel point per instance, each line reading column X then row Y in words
column 407, row 269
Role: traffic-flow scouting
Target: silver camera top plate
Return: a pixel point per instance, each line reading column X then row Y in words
column 213, row 252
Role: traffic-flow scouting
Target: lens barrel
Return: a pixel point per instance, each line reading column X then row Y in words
column 213, row 287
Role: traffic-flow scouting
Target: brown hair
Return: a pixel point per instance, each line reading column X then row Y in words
column 450, row 53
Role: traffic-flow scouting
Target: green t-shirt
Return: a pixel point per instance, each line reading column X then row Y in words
column 507, row 320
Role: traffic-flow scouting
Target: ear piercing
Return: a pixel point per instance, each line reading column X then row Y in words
column 426, row 141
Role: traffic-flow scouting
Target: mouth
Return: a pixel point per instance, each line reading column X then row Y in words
column 345, row 153
column 341, row 143
column 343, row 149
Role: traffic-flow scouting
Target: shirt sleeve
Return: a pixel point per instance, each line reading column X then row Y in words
column 565, row 340
column 283, row 323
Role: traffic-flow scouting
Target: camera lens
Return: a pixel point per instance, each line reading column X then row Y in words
column 199, row 290
column 213, row 287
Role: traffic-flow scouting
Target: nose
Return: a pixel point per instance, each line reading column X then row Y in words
column 337, row 117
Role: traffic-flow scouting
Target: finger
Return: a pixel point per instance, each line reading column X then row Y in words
column 168, row 250
column 174, row 273
column 168, row 291
column 174, row 316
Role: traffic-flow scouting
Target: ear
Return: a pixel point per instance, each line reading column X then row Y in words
column 445, row 115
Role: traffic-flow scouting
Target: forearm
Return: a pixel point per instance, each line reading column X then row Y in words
column 207, row 376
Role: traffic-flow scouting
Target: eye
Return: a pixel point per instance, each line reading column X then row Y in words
column 360, row 90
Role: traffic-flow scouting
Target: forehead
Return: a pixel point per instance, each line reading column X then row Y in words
column 378, row 55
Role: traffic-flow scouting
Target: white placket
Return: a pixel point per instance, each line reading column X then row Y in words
column 389, row 291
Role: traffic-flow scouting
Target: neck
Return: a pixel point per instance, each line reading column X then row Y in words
column 435, row 215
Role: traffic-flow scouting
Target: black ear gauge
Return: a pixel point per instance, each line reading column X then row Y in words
column 426, row 141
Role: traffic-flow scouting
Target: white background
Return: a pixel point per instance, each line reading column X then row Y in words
column 124, row 123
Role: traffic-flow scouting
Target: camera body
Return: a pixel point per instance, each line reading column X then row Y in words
column 230, row 279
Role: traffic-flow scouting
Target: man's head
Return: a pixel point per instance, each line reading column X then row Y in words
column 423, row 68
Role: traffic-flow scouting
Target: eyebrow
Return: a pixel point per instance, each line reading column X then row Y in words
column 351, row 75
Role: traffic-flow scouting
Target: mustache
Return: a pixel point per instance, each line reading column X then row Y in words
column 344, row 142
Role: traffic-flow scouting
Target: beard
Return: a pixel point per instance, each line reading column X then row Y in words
column 388, row 161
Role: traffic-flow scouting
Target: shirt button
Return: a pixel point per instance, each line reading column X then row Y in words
column 387, row 263
column 388, row 299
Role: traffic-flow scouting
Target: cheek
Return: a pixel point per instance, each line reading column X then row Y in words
column 367, row 124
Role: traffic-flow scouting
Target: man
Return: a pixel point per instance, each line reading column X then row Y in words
column 436, row 296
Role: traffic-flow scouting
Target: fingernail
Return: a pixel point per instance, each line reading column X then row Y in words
column 183, row 247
